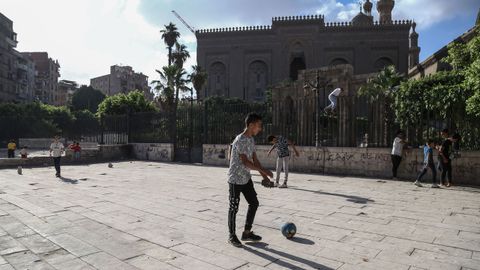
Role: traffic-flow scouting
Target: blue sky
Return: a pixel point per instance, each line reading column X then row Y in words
column 90, row 35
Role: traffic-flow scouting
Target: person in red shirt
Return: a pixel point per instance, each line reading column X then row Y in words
column 75, row 147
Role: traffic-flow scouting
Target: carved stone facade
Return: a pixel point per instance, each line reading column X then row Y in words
column 243, row 62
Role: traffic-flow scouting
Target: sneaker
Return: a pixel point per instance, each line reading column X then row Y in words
column 250, row 237
column 417, row 184
column 448, row 185
column 233, row 240
column 276, row 184
column 284, row 185
column 435, row 186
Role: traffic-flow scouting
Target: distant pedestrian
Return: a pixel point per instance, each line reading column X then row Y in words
column 333, row 96
column 56, row 151
column 428, row 163
column 23, row 152
column 11, row 147
column 397, row 152
column 283, row 155
column 76, row 150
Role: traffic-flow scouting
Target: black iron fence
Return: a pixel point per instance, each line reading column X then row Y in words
column 357, row 122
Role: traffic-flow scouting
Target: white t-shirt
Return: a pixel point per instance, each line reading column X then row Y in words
column 57, row 149
column 397, row 147
column 336, row 92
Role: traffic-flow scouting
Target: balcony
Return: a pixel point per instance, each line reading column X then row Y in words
column 12, row 41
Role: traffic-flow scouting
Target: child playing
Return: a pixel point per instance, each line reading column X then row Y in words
column 23, row 152
column 75, row 147
column 244, row 159
column 428, row 163
column 283, row 154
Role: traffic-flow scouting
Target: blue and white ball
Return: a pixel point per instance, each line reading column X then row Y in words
column 288, row 230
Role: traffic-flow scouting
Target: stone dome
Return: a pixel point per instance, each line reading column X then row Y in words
column 362, row 19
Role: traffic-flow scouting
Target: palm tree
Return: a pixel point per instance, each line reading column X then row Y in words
column 170, row 36
column 172, row 81
column 180, row 55
column 198, row 77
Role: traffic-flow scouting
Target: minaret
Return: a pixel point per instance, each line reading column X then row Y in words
column 414, row 51
column 367, row 7
column 385, row 7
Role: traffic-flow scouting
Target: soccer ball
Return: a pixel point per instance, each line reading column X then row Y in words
column 288, row 230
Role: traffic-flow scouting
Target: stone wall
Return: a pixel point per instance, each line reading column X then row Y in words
column 370, row 162
column 36, row 143
column 104, row 153
column 153, row 151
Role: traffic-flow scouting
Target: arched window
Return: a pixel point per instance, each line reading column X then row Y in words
column 217, row 79
column 338, row 61
column 257, row 80
column 382, row 63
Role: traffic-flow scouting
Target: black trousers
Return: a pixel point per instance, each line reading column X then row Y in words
column 11, row 153
column 424, row 171
column 395, row 164
column 446, row 171
column 56, row 162
column 251, row 196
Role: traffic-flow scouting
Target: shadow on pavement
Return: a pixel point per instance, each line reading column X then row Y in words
column 301, row 240
column 350, row 198
column 69, row 180
column 287, row 256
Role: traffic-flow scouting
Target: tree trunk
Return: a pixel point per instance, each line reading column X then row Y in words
column 169, row 55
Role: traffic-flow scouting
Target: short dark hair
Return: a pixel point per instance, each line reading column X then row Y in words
column 252, row 118
column 445, row 130
column 399, row 132
column 270, row 138
column 430, row 141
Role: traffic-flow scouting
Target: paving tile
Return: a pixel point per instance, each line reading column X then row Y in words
column 147, row 215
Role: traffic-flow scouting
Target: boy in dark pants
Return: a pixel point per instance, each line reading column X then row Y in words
column 397, row 151
column 56, row 151
column 445, row 159
column 428, row 163
column 244, row 159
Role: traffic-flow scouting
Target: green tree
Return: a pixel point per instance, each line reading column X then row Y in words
column 198, row 78
column 120, row 104
column 465, row 59
column 180, row 55
column 170, row 36
column 87, row 98
column 381, row 88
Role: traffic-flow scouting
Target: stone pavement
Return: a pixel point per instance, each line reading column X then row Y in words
column 144, row 215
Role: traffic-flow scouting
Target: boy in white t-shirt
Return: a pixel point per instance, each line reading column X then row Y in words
column 397, row 151
column 56, row 151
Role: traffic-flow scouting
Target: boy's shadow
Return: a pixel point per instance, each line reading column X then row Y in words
column 280, row 262
column 69, row 180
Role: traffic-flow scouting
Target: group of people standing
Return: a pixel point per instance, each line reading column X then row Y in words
column 444, row 163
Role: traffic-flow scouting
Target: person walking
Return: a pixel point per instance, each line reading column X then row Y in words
column 56, row 151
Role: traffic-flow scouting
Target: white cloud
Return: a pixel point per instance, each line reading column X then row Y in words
column 88, row 36
column 427, row 13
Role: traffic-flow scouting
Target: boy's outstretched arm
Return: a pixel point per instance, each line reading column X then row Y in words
column 294, row 148
column 255, row 165
column 271, row 149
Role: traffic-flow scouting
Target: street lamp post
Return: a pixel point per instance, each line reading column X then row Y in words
column 316, row 88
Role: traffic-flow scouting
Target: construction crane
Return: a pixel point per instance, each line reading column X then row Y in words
column 183, row 21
